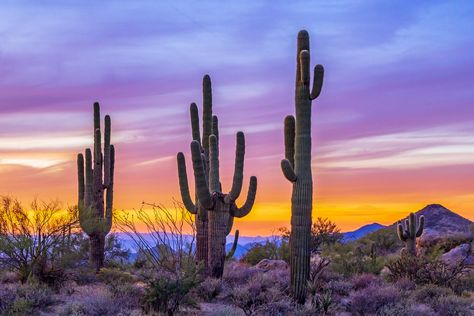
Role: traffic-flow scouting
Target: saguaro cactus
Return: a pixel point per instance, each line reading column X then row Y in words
column 222, row 208
column 297, row 166
column 196, row 207
column 94, row 218
column 409, row 232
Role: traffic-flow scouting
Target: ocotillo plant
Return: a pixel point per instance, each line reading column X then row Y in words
column 94, row 218
column 297, row 166
column 195, row 207
column 222, row 208
column 409, row 232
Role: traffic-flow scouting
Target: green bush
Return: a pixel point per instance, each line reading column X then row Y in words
column 166, row 293
column 351, row 258
column 271, row 249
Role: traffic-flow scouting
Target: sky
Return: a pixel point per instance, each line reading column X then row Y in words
column 392, row 129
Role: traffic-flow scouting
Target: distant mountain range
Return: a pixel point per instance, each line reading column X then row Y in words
column 361, row 232
column 439, row 221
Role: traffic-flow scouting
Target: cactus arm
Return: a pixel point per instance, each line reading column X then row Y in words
column 239, row 168
column 80, row 179
column 107, row 128
column 215, row 126
column 183, row 184
column 230, row 223
column 290, row 139
column 234, row 246
column 400, row 232
column 288, row 170
column 247, row 207
column 304, row 60
column 89, row 179
column 96, row 116
column 421, row 226
column 412, row 227
column 202, row 190
column 317, row 81
column 110, row 193
column 207, row 111
column 193, row 111
column 302, row 44
column 214, row 183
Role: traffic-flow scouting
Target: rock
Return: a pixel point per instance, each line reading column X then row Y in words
column 385, row 272
column 456, row 255
column 268, row 264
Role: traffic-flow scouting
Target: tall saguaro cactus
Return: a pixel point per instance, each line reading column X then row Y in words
column 95, row 180
column 221, row 207
column 409, row 232
column 196, row 207
column 296, row 166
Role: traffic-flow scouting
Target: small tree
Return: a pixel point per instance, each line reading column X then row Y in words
column 323, row 232
column 33, row 242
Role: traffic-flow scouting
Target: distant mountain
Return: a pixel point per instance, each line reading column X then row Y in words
column 361, row 232
column 438, row 218
column 240, row 251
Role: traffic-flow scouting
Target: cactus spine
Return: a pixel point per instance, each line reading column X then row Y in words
column 296, row 166
column 196, row 208
column 408, row 233
column 221, row 208
column 94, row 180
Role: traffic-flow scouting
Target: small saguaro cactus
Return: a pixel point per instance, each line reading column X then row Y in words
column 195, row 207
column 409, row 231
column 296, row 166
column 95, row 218
column 222, row 207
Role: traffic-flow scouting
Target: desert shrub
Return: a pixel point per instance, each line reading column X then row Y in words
column 7, row 298
column 386, row 241
column 320, row 303
column 166, row 294
column 30, row 298
column 113, row 277
column 339, row 287
column 237, row 273
column 364, row 280
column 92, row 301
column 452, row 305
column 83, row 276
column 372, row 299
column 257, row 293
column 170, row 270
column 349, row 259
column 405, row 284
column 8, row 277
column 32, row 242
column 423, row 271
column 324, row 232
column 273, row 248
column 209, row 288
column 404, row 309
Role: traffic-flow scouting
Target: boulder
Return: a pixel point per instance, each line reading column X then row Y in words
column 268, row 264
column 457, row 255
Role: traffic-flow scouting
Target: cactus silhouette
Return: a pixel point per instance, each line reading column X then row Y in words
column 196, row 207
column 408, row 233
column 296, row 166
column 217, row 209
column 95, row 179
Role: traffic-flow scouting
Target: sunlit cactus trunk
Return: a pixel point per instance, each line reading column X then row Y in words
column 221, row 208
column 409, row 232
column 297, row 167
column 95, row 187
